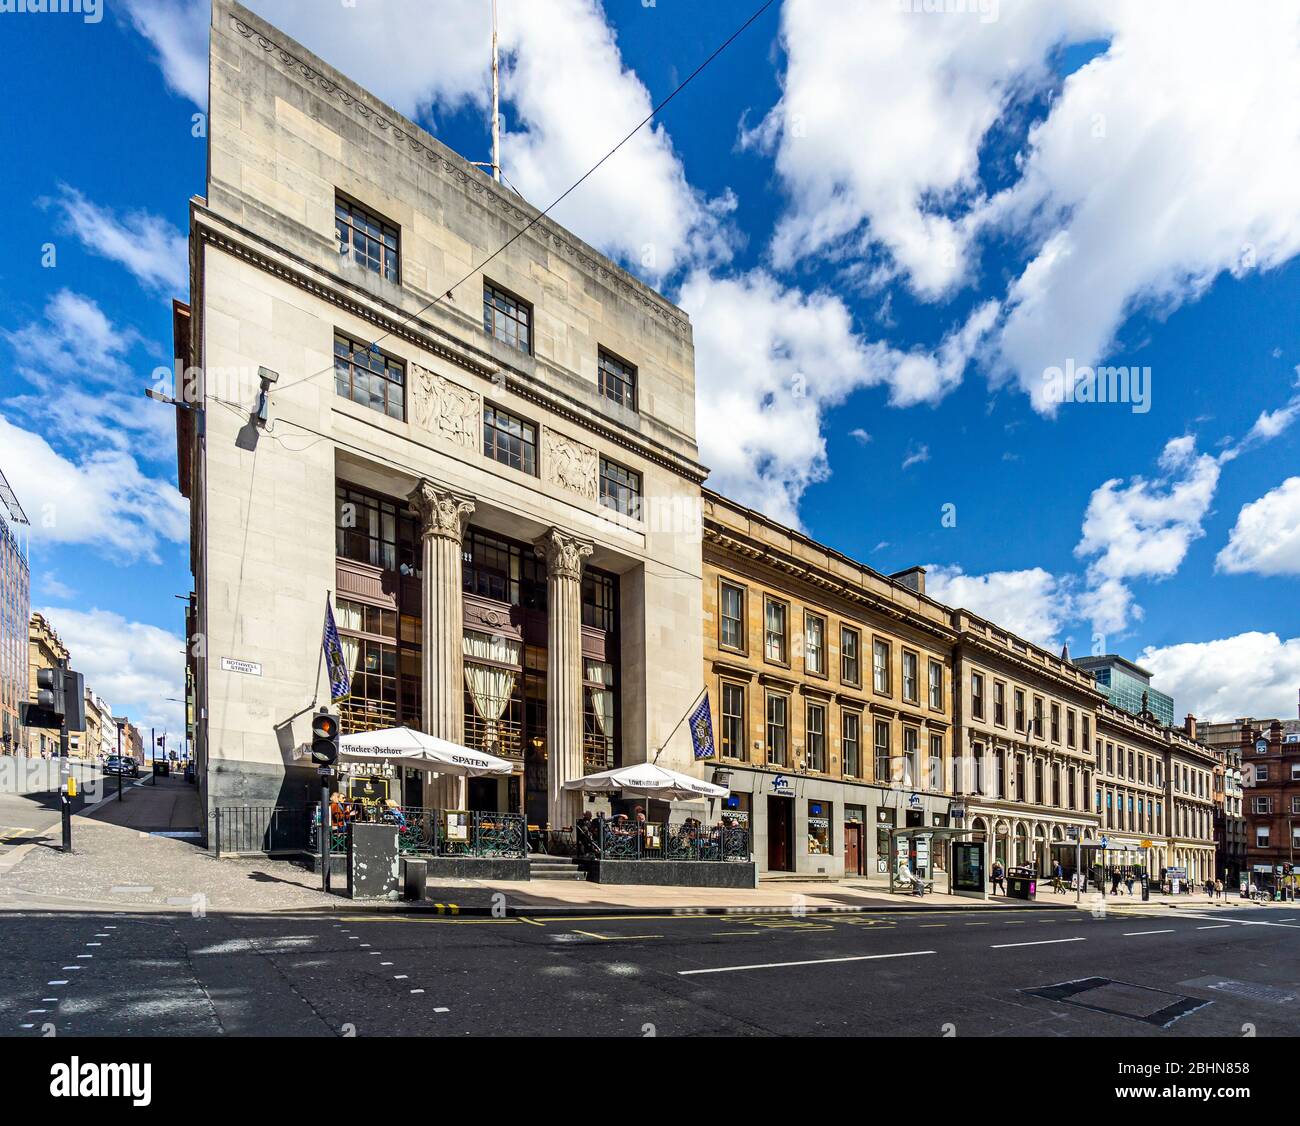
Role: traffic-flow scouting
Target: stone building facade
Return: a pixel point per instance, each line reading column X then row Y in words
column 44, row 651
column 478, row 446
column 1025, row 719
column 1271, row 761
column 831, row 691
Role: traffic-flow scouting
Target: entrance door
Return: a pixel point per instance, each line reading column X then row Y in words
column 780, row 855
column 852, row 849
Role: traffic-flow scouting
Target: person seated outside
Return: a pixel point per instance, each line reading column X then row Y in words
column 907, row 876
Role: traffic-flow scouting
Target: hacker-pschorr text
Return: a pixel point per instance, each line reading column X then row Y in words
column 76, row 1079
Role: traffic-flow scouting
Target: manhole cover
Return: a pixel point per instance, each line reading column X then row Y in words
column 1123, row 999
column 1249, row 990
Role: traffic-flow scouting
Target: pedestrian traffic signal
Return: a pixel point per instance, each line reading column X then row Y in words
column 324, row 738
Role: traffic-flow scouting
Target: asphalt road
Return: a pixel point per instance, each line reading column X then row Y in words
column 937, row 974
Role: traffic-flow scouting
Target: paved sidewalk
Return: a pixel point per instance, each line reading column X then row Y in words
column 116, row 865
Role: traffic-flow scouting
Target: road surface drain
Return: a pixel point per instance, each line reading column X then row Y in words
column 1244, row 989
column 1119, row 998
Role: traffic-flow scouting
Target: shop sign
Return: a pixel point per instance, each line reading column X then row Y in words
column 781, row 785
column 914, row 801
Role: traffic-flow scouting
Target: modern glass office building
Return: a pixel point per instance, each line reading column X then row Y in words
column 15, row 610
column 1124, row 682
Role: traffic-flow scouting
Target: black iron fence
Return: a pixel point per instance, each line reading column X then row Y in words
column 617, row 839
column 262, row 828
column 479, row 833
column 435, row 832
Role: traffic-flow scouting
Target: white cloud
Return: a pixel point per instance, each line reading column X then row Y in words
column 1033, row 603
column 1253, row 673
column 101, row 499
column 155, row 252
column 178, row 30
column 1159, row 165
column 770, row 360
column 1143, row 529
column 916, row 456
column 76, row 360
column 1266, row 537
column 133, row 665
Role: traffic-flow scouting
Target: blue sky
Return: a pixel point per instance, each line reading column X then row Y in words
column 890, row 229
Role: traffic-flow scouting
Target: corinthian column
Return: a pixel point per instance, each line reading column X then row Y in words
column 443, row 516
column 564, row 555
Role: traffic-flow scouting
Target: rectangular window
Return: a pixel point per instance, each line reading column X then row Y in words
column 774, row 619
column 819, row 828
column 509, row 440
column 507, row 319
column 814, row 653
column 1056, row 723
column 850, row 662
column 1087, row 732
column 777, row 743
column 620, row 488
column 369, row 377
column 935, row 685
column 911, row 689
column 617, row 380
column 977, row 695
column 911, row 756
column 365, row 239
column 1020, row 709
column 815, row 737
column 1261, row 836
column 1038, row 717
column 977, row 771
column 733, row 720
column 731, row 616
column 882, row 751
column 880, row 666
column 1263, row 805
column 999, row 703
column 934, row 780
column 1069, row 728
column 851, row 744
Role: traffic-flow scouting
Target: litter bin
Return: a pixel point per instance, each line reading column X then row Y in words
column 1022, row 883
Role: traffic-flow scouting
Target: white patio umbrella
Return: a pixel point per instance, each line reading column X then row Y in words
column 646, row 780
column 402, row 746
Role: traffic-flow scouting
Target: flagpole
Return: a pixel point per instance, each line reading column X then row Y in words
column 685, row 716
column 320, row 657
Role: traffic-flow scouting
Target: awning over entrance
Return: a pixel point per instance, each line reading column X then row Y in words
column 646, row 780
column 401, row 746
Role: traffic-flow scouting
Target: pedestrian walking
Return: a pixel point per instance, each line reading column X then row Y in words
column 1114, row 881
column 999, row 878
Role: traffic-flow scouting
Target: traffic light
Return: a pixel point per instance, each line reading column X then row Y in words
column 60, row 701
column 49, row 691
column 324, row 738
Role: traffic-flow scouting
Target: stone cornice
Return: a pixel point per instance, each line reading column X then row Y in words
column 1091, row 697
column 429, row 338
column 405, row 134
column 725, row 542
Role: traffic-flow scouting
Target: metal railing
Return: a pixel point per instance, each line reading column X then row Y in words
column 612, row 839
column 424, row 832
column 262, row 828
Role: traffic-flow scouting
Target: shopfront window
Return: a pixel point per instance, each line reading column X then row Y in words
column 819, row 829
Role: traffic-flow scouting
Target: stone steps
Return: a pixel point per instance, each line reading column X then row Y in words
column 554, row 868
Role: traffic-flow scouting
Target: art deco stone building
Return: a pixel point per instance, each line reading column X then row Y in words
column 500, row 498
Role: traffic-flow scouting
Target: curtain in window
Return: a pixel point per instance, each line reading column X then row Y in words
column 489, row 687
column 602, row 699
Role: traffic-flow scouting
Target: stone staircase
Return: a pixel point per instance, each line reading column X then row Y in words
column 541, row 867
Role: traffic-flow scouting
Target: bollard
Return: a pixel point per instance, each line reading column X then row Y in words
column 66, row 814
column 415, row 876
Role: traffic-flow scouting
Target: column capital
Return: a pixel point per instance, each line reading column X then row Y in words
column 442, row 512
column 563, row 553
